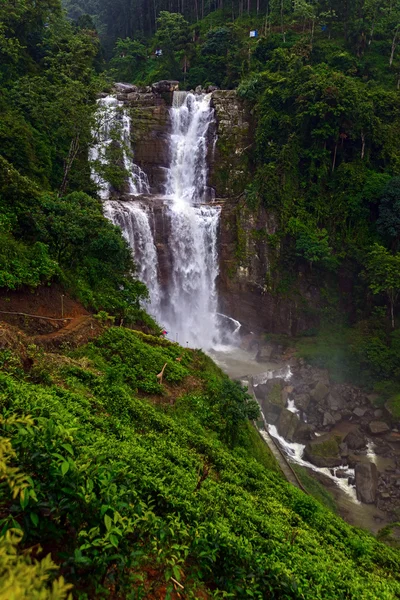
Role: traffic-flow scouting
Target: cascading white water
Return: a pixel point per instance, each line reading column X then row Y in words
column 134, row 221
column 187, row 307
column 190, row 310
column 114, row 124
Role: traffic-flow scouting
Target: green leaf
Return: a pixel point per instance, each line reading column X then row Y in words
column 108, row 522
column 64, row 468
column 68, row 448
column 177, row 572
column 24, row 498
column 34, row 518
column 114, row 540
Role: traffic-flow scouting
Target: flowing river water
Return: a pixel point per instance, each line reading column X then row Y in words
column 187, row 303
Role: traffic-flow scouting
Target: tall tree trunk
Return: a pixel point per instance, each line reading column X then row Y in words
column 392, row 300
column 362, row 145
column 334, row 157
column 394, row 44
column 258, row 6
column 312, row 32
column 73, row 151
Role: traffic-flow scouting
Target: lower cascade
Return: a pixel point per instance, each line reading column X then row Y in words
column 186, row 302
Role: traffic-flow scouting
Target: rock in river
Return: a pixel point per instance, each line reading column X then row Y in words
column 355, row 440
column 366, row 482
column 377, row 427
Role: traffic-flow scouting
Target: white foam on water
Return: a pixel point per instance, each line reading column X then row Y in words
column 295, row 453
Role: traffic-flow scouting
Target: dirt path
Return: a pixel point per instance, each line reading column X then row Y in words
column 72, row 325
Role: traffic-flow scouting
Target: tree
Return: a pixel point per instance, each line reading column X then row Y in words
column 383, row 275
column 129, row 59
column 312, row 243
column 389, row 213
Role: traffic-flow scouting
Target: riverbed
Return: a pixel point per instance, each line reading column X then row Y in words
column 240, row 364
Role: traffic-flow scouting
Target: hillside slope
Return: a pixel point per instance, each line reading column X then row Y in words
column 142, row 490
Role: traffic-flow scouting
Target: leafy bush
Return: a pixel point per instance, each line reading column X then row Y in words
column 117, row 484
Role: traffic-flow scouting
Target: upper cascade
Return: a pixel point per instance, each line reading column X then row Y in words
column 191, row 116
column 113, row 124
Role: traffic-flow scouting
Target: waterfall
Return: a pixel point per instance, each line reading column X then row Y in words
column 134, row 221
column 114, row 125
column 190, row 311
column 187, row 304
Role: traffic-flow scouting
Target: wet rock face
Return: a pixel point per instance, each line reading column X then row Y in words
column 229, row 169
column 355, row 440
column 366, row 482
column 288, row 424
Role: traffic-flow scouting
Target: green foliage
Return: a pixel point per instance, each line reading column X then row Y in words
column 129, row 60
column 23, row 577
column 389, row 212
column 314, row 488
column 383, row 275
column 119, row 483
column 311, row 244
column 24, row 265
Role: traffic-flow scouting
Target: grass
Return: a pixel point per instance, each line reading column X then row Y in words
column 315, row 488
column 255, row 446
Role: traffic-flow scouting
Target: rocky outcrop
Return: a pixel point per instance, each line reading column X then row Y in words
column 366, row 482
column 324, row 452
column 229, row 161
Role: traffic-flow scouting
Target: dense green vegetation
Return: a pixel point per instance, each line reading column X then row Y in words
column 51, row 227
column 135, row 486
column 138, row 488
column 321, row 85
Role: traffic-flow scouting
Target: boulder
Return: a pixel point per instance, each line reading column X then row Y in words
column 264, row 353
column 355, row 440
column 378, row 413
column 393, row 437
column 378, row 427
column 268, row 352
column 328, row 420
column 287, row 424
column 270, row 411
column 304, row 433
column 320, row 392
column 125, row 88
column 366, row 482
column 199, row 90
column 302, row 401
column 161, row 87
column 341, row 473
column 333, row 403
column 360, row 412
column 212, row 88
column 286, row 392
column 324, row 452
column 271, row 390
column 343, row 449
